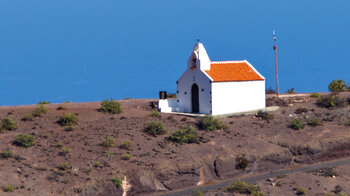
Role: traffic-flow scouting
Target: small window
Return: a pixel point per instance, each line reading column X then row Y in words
column 210, row 101
column 202, row 89
column 178, row 101
column 177, row 91
column 185, row 93
column 177, row 82
column 210, row 92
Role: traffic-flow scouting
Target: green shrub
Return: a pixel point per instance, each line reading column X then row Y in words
column 265, row 116
column 61, row 107
column 7, row 153
column 67, row 102
column 117, row 181
column 24, row 140
column 241, row 163
column 126, row 145
column 337, row 86
column 69, row 128
column 65, row 151
column 296, row 124
column 291, row 91
column 63, row 166
column 8, row 124
column 107, row 141
column 300, row 110
column 68, row 119
column 154, row 128
column 98, row 164
column 300, row 191
column 186, row 134
column 40, row 111
column 43, row 102
column 315, row 95
column 27, row 117
column 210, row 123
column 243, row 188
column 198, row 193
column 126, row 156
column 314, row 122
column 347, row 123
column 331, row 101
column 155, row 113
column 59, row 144
column 326, row 171
column 111, row 107
column 270, row 91
column 8, row 188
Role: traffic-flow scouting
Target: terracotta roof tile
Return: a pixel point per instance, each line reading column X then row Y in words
column 232, row 71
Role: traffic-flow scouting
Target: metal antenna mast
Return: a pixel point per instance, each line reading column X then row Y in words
column 275, row 49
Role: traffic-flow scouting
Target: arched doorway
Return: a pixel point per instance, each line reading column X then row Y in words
column 195, row 98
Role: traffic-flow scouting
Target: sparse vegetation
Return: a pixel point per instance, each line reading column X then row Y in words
column 8, row 124
column 63, row 166
column 107, row 142
column 327, row 172
column 117, row 181
column 43, row 102
column 241, row 163
column 27, row 117
column 6, row 153
column 291, row 91
column 331, row 101
column 210, row 123
column 65, row 150
column 314, row 122
column 347, row 123
column 197, row 193
column 8, row 188
column 69, row 128
column 68, row 119
column 126, row 156
column 300, row 191
column 186, row 134
column 126, row 145
column 154, row 128
column 40, row 110
column 296, row 124
column 315, row 95
column 243, row 188
column 24, row 140
column 111, row 107
column 155, row 113
column 300, row 110
column 270, row 91
column 61, row 107
column 337, row 86
column 265, row 116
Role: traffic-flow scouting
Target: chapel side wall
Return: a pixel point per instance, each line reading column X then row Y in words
column 185, row 84
column 232, row 97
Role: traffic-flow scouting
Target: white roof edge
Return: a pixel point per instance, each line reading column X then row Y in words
column 239, row 61
column 251, row 66
column 205, row 73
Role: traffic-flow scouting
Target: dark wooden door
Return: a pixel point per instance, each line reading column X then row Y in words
column 195, row 99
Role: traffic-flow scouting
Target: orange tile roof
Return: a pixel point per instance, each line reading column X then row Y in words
column 232, row 71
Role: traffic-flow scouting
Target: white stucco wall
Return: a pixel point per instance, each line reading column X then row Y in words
column 168, row 105
column 184, row 88
column 231, row 97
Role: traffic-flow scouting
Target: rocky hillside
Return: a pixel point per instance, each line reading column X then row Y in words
column 97, row 153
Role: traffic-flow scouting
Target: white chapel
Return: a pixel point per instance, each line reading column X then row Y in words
column 216, row 87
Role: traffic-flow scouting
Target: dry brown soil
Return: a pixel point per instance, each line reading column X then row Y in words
column 159, row 165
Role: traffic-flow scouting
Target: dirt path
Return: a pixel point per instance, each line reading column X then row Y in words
column 257, row 178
